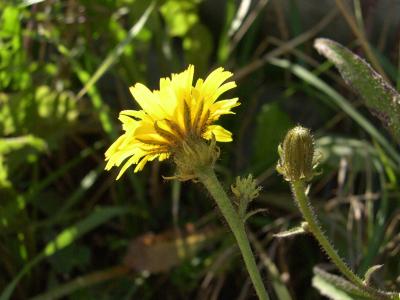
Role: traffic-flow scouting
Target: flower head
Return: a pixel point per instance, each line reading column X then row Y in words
column 171, row 118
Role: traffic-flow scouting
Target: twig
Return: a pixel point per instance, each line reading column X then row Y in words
column 256, row 64
column 359, row 33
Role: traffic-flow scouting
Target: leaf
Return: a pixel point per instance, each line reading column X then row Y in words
column 180, row 16
column 329, row 290
column 272, row 125
column 13, row 72
column 370, row 272
column 64, row 239
column 198, row 45
column 381, row 99
column 74, row 257
column 11, row 151
column 335, row 287
column 290, row 233
column 254, row 212
column 8, row 145
column 157, row 253
column 83, row 281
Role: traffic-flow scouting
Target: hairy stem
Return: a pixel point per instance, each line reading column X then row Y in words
column 210, row 181
column 299, row 188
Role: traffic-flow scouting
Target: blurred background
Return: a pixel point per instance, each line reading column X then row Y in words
column 68, row 230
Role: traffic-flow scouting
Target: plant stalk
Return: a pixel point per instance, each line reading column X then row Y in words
column 207, row 176
column 299, row 188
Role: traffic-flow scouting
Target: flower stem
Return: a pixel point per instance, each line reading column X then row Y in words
column 299, row 188
column 210, row 181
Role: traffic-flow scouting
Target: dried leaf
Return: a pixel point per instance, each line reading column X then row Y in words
column 158, row 253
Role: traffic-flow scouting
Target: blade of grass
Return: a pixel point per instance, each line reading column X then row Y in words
column 279, row 286
column 8, row 212
column 26, row 3
column 239, row 16
column 117, row 51
column 252, row 16
column 359, row 33
column 293, row 43
column 375, row 243
column 86, row 183
column 66, row 238
column 224, row 45
column 83, row 281
column 101, row 108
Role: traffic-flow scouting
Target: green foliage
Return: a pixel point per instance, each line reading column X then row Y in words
column 13, row 72
column 272, row 125
column 333, row 290
column 16, row 151
column 180, row 16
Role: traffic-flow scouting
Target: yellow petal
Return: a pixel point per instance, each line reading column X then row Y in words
column 130, row 162
column 213, row 82
column 222, row 89
column 148, row 101
column 220, row 133
column 223, row 107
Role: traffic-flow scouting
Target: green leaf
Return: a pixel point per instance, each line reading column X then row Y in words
column 290, row 233
column 13, row 72
column 272, row 125
column 180, row 16
column 8, row 145
column 379, row 96
column 72, row 257
column 370, row 272
column 198, row 45
column 335, row 287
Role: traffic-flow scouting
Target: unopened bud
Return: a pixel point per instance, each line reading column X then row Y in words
column 297, row 159
column 246, row 188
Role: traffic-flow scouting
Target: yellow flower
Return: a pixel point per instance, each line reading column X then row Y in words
column 171, row 116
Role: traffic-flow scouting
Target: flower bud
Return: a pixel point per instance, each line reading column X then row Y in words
column 297, row 161
column 246, row 188
column 193, row 155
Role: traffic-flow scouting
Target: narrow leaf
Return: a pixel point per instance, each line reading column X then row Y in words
column 290, row 233
column 335, row 287
column 370, row 272
column 117, row 51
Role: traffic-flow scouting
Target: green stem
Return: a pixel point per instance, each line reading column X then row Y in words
column 299, row 188
column 210, row 181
